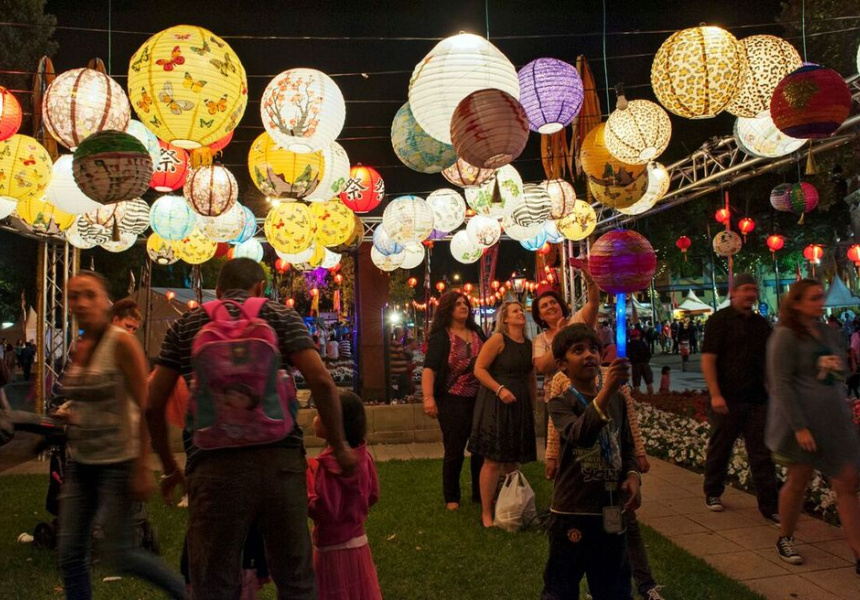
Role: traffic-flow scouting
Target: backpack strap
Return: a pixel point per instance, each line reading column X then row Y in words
column 253, row 306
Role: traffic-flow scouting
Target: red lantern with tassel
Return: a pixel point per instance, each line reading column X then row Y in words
column 745, row 226
column 722, row 216
column 683, row 243
column 854, row 255
column 775, row 242
column 813, row 253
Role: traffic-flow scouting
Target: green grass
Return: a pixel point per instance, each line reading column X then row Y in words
column 422, row 551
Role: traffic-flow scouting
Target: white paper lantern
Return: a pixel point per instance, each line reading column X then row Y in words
column 770, row 59
column 331, row 259
column 727, row 243
column 64, row 193
column 464, row 249
column 449, row 209
column 385, row 262
column 7, row 207
column 562, row 196
column 250, row 229
column 518, row 232
column 300, row 257
column 210, row 190
column 535, row 208
column 658, row 185
column 303, row 110
column 484, row 231
column 172, row 218
column 759, row 137
column 413, row 255
column 383, row 243
column 408, row 219
column 251, row 249
column 553, row 235
column 335, row 175
column 226, row 227
column 500, row 192
column 126, row 241
column 456, row 67
column 145, row 137
column 135, row 218
column 75, row 237
column 639, row 133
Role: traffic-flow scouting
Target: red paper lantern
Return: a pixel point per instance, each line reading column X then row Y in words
column 338, row 279
column 440, row 286
column 171, row 169
column 192, row 304
column 468, row 287
column 683, row 243
column 222, row 143
column 622, row 262
column 722, row 215
column 170, row 295
column 290, row 302
column 281, row 265
column 412, row 281
column 545, row 249
column 222, row 249
column 489, row 129
column 315, row 292
column 10, row 114
column 813, row 252
column 495, row 285
column 746, row 225
column 854, row 254
column 811, row 102
column 775, row 242
column 364, row 190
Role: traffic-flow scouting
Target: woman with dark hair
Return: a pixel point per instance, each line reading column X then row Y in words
column 809, row 426
column 449, row 388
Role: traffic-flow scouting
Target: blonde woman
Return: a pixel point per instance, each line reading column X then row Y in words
column 503, row 428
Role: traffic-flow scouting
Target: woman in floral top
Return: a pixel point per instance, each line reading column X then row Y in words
column 449, row 388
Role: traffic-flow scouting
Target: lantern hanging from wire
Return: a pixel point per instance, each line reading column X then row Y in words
column 746, row 226
column 535, row 207
column 64, row 193
column 10, row 114
column 770, row 59
column 722, row 215
column 854, row 254
column 775, row 242
column 553, row 235
column 637, row 133
column 226, row 227
column 196, row 248
column 407, row 219
column 210, row 190
column 364, row 190
column 536, row 243
column 171, row 170
column 683, row 243
column 386, row 262
column 463, row 174
column 413, row 256
column 613, row 183
column 290, row 227
column 449, row 209
column 551, row 93
column 251, row 249
column 111, row 166
column 354, row 241
column 383, row 243
column 759, row 137
column 489, row 129
column 464, row 249
column 484, row 231
column 798, row 198
column 813, row 253
column 659, row 182
column 810, row 102
column 727, row 243
column 415, row 148
column 79, row 235
column 172, row 218
column 282, row 173
column 26, row 168
column 250, row 229
column 562, row 196
column 335, row 222
column 500, row 193
column 335, row 174
column 125, row 242
column 43, row 217
column 160, row 251
column 580, row 223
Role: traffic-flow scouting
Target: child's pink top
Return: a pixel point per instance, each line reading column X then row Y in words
column 664, row 382
column 339, row 504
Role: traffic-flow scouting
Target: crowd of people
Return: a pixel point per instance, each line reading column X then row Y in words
column 21, row 355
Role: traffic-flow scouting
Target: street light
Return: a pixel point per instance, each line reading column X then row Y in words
column 519, row 282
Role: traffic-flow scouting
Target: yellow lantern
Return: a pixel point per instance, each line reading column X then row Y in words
column 161, row 251
column 611, row 181
column 195, row 249
column 658, row 184
column 281, row 173
column 617, row 196
column 43, row 217
column 580, row 223
column 187, row 86
column 290, row 227
column 770, row 59
column 25, row 168
column 335, row 222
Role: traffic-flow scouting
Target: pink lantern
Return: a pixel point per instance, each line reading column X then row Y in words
column 622, row 261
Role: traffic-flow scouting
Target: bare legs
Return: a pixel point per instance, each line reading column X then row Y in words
column 791, row 497
column 489, row 482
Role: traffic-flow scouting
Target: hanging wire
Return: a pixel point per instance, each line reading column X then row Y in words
column 487, row 16
column 110, row 35
column 605, row 65
column 803, row 26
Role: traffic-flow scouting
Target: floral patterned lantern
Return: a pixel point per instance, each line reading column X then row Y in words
column 622, row 262
column 172, row 218
column 464, row 175
column 335, row 175
column 140, row 132
column 551, row 93
column 160, row 251
column 335, row 222
column 383, row 243
column 489, row 129
column 171, row 170
column 638, row 133
column 251, row 249
column 25, row 168
column 111, row 166
column 386, row 262
column 464, row 249
column 43, row 217
column 810, row 102
column 226, row 227
column 407, row 219
column 449, row 209
column 303, row 110
column 413, row 256
column 280, row 173
column 759, row 137
column 188, row 86
column 562, row 196
column 580, row 223
column 770, row 59
column 500, row 193
column 798, row 198
column 195, row 248
column 417, row 150
column 10, row 114
column 290, row 227
column 535, row 208
column 64, row 193
column 364, row 190
column 727, row 243
column 211, row 190
column 484, row 231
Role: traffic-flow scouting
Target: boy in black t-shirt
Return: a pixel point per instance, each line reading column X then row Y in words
column 597, row 476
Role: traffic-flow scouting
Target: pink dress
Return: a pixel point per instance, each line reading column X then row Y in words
column 339, row 506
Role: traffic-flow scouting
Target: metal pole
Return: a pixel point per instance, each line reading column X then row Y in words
column 778, row 283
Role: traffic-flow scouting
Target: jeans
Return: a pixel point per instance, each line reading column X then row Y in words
column 455, row 419
column 637, row 557
column 85, row 490
column 747, row 420
column 230, row 489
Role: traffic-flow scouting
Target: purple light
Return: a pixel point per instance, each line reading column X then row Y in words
column 436, row 235
column 551, row 92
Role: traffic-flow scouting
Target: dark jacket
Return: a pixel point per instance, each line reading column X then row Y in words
column 436, row 357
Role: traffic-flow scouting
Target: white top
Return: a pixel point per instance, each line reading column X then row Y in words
column 542, row 344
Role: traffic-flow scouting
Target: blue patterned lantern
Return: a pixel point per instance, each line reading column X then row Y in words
column 172, row 218
column 383, row 243
column 415, row 148
column 250, row 228
column 536, row 243
column 251, row 249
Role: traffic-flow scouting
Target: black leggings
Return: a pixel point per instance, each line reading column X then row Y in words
column 455, row 419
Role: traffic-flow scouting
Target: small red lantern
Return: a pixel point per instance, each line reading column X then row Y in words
column 683, row 243
column 470, row 212
column 722, row 215
column 315, row 292
column 412, row 281
column 495, row 285
column 440, row 286
column 290, row 302
column 170, row 170
column 170, row 295
column 745, row 226
column 338, row 279
column 10, row 114
column 468, row 288
column 775, row 242
column 854, row 254
column 813, row 253
column 192, row 304
column 281, row 265
column 364, row 189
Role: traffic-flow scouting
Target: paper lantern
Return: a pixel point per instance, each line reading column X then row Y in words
column 746, row 226
column 620, row 197
column 78, row 235
column 25, row 168
column 813, row 253
column 171, row 170
column 299, row 257
column 413, row 256
column 638, row 133
column 489, row 129
column 535, row 207
column 551, row 93
column 415, row 149
column 251, row 249
column 81, row 102
column 250, row 229
column 290, row 227
column 536, row 243
column 553, row 235
column 210, row 190
column 160, row 251
column 464, row 175
column 727, row 243
column 464, row 249
column 683, row 243
column 454, row 68
column 303, row 110
column 7, row 207
column 188, row 86
column 775, row 242
column 125, row 242
column 335, row 222
column 580, row 223
column 759, row 137
column 10, row 114
column 622, row 261
column 195, row 248
column 43, row 217
column 149, row 140
column 722, row 215
column 111, row 166
column 64, row 193
column 518, row 232
column 407, row 219
column 853, row 254
column 364, row 190
column 810, row 102
column 659, row 182
column 222, row 143
column 562, row 196
column 136, row 217
column 497, row 194
column 696, row 72
column 280, row 173
column 330, row 259
column 770, row 59
column 386, row 262
column 226, row 227
column 797, row 198
column 172, row 218
column 383, row 243
column 484, row 231
column 612, row 182
column 335, row 174
column 449, row 209
column 354, row 241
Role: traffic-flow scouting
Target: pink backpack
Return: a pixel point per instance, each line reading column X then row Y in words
column 240, row 396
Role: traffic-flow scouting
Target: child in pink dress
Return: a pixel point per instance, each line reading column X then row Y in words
column 339, row 505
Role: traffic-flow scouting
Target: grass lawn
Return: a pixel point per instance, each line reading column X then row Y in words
column 422, row 551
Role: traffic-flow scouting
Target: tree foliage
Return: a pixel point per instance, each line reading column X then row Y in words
column 21, row 47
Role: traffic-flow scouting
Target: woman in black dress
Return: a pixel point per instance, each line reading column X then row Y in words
column 503, row 429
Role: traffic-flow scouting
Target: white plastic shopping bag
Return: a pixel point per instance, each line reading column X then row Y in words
column 515, row 506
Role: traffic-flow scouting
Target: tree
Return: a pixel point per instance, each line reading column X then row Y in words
column 831, row 31
column 21, row 47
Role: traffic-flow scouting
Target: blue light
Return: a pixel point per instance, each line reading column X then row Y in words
column 621, row 324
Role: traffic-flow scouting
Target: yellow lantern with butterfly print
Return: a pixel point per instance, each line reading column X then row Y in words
column 335, row 222
column 290, row 227
column 187, row 86
column 280, row 173
column 25, row 168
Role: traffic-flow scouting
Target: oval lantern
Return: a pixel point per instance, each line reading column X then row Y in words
column 775, row 242
column 551, row 93
column 622, row 262
column 290, row 227
column 386, row 262
column 535, row 208
column 196, row 248
column 111, row 166
column 580, row 223
column 489, row 129
column 562, row 197
column 364, row 190
column 281, row 173
column 770, row 59
column 161, row 251
column 464, row 175
column 172, row 218
column 251, row 249
column 449, row 209
column 81, row 102
column 810, row 102
column 335, row 222
column 210, row 190
column 10, row 114
column 64, row 193
column 413, row 256
column 226, row 227
column 464, row 249
column 746, row 226
column 722, row 215
column 407, row 219
column 638, row 133
column 26, row 167
column 335, row 175
column 188, row 86
column 798, row 198
column 502, row 192
column 759, row 137
column 853, row 254
column 43, row 217
column 483, row 231
column 415, row 148
column 171, row 170
column 143, row 135
column 813, row 253
column 683, row 244
column 727, row 243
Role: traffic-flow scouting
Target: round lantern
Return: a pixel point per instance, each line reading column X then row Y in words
column 722, row 215
column 551, row 93
column 407, row 219
column 854, row 254
column 171, row 170
column 110, row 166
column 622, row 262
column 75, row 235
column 553, row 235
column 499, row 193
column 489, row 129
column 561, row 195
column 464, row 175
column 210, row 190
column 7, row 207
column 775, row 242
column 251, row 249
column 386, row 262
column 658, row 184
column 638, row 133
column 222, row 143
column 683, row 243
column 330, row 259
column 26, row 168
column 43, row 217
column 798, row 198
column 64, row 193
column 456, row 67
column 126, row 241
column 813, row 253
column 364, row 189
column 172, row 218
column 106, row 219
column 518, row 232
column 580, row 223
column 290, row 227
column 413, row 256
column 299, row 257
column 335, row 175
column 280, row 173
column 82, row 102
column 226, row 227
column 415, row 149
column 746, row 226
column 810, row 102
column 250, row 229
column 536, row 243
column 770, row 59
column 759, row 137
column 696, row 72
column 10, row 114
column 464, row 249
column 335, row 222
column 160, row 251
column 303, row 110
column 140, row 132
column 612, row 182
column 449, row 209
column 135, row 218
column 354, row 241
column 195, row 248
column 727, row 243
column 535, row 208
column 188, row 86
column 383, row 243
column 484, row 231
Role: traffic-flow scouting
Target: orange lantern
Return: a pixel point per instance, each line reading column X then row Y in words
column 338, row 279
column 746, row 225
column 192, row 304
column 854, row 255
column 412, row 282
column 170, row 295
column 775, row 242
column 440, row 286
column 544, row 250
column 281, row 265
column 290, row 302
column 813, row 253
column 10, row 114
column 171, row 169
column 315, row 292
column 468, row 288
column 722, row 215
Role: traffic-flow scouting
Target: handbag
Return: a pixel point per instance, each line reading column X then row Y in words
column 515, row 506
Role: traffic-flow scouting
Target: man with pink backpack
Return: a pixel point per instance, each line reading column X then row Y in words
column 246, row 459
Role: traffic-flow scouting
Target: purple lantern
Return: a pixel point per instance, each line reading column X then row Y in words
column 436, row 235
column 551, row 92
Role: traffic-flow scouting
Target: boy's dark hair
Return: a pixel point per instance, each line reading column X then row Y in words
column 354, row 419
column 665, row 369
column 240, row 274
column 125, row 308
column 571, row 335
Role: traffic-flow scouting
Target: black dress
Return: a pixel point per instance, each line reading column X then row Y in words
column 506, row 432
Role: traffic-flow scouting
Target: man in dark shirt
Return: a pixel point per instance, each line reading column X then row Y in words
column 733, row 363
column 229, row 489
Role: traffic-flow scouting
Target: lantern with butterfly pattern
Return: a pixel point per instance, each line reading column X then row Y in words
column 335, row 222
column 25, row 168
column 281, row 173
